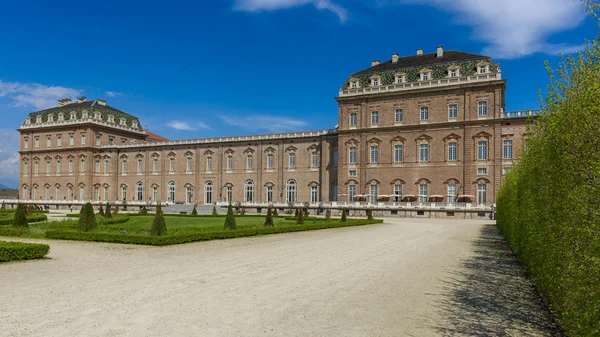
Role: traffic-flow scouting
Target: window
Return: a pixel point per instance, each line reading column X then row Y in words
column 423, row 192
column 82, row 139
column 398, row 153
column 97, row 166
column 106, row 168
column 229, row 163
column 140, row 191
column 400, row 79
column 314, row 162
column 229, row 193
column 269, row 193
column 482, row 150
column 96, row 193
column 292, row 161
column 249, row 162
column 82, row 166
column 399, row 115
column 451, row 193
column 49, row 142
column 70, row 192
column 424, row 152
column 208, row 192
column 424, row 113
column 171, row 165
column 171, row 196
column 111, row 141
column 154, row 193
column 481, row 171
column 270, row 161
column 123, row 192
column 351, row 192
column 188, row 166
column 35, row 192
column 353, row 84
column 57, row 192
column 425, row 76
column 58, row 167
column 374, row 117
column 97, row 140
column 482, row 193
column 81, row 192
column 452, row 151
column 397, row 192
column 37, row 143
column 155, row 165
column 452, row 110
column 36, row 168
column 26, row 143
column 71, row 140
column 105, row 192
column 249, row 190
column 352, row 173
column 353, row 119
column 291, row 191
column 70, row 166
column 374, row 191
column 188, row 194
column 25, row 168
column 314, row 195
column 124, row 167
column 453, row 73
column 352, row 155
column 375, row 82
column 59, row 141
column 47, row 167
column 47, row 193
column 374, row 154
column 508, row 152
column 482, row 108
column 209, row 164
column 483, row 69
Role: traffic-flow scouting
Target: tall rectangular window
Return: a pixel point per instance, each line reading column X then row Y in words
column 97, row 140
column 397, row 192
column 229, row 193
column 452, row 110
column 96, row 193
column 106, row 193
column 97, row 166
column 314, row 194
column 292, row 160
column 171, row 165
column 36, row 168
column 47, row 194
column 70, row 166
column 451, row 193
column 353, row 119
column 49, row 142
column 269, row 193
column 82, row 166
column 59, row 141
column 314, row 162
column 399, row 115
column 124, row 167
column 81, row 192
column 424, row 152
column 26, row 143
column 82, row 139
column 58, row 167
column 270, row 161
column 47, row 167
column 229, row 163
column 398, row 153
column 482, row 193
column 124, row 192
column 249, row 162
column 424, row 113
column 351, row 192
column 106, row 168
column 155, row 165
column 37, row 143
column 188, row 165
column 482, row 150
column 71, row 140
column 452, row 151
column 374, row 154
column 423, row 192
column 374, row 117
column 209, row 164
column 508, row 149
column 57, row 192
column 352, row 155
column 482, row 108
column 139, row 166
column 374, row 192
column 25, row 168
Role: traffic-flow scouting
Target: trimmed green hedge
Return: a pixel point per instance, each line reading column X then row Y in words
column 178, row 239
column 11, row 231
column 17, row 251
column 32, row 218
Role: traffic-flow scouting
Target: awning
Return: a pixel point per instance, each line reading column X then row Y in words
column 465, row 197
column 409, row 197
column 436, row 197
column 384, row 197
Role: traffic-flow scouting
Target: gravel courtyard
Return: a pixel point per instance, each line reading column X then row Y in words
column 406, row 277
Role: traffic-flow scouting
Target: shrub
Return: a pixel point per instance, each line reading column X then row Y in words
column 101, row 210
column 194, row 211
column 214, row 212
column 305, row 212
column 20, row 220
column 275, row 213
column 17, row 251
column 3, row 207
column 269, row 219
column 328, row 214
column 144, row 210
column 296, row 214
column 230, row 219
column 343, row 215
column 300, row 218
column 29, row 209
column 107, row 214
column 159, row 226
column 87, row 220
column 369, row 214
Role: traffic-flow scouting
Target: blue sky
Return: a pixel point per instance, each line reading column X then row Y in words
column 191, row 69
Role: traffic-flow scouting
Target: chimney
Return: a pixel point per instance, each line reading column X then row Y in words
column 394, row 58
column 374, row 63
column 440, row 51
column 64, row 101
column 81, row 99
column 419, row 51
column 101, row 102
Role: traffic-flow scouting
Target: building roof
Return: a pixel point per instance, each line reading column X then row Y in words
column 450, row 56
column 153, row 137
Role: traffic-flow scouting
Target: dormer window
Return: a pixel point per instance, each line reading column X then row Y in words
column 38, row 119
column 134, row 124
column 111, row 118
column 483, row 68
column 97, row 115
column 354, row 84
column 400, row 78
column 123, row 122
column 61, row 117
column 50, row 118
column 425, row 74
column 27, row 120
column 375, row 81
column 84, row 114
column 73, row 115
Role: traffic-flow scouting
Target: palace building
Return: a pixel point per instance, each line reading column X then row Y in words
column 427, row 127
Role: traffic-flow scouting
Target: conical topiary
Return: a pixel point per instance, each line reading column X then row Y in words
column 3, row 206
column 328, row 214
column 194, row 211
column 296, row 214
column 215, row 211
column 230, row 219
column 300, row 218
column 144, row 210
column 159, row 227
column 370, row 214
column 107, row 214
column 20, row 220
column 101, row 210
column 275, row 213
column 269, row 219
column 87, row 219
column 343, row 215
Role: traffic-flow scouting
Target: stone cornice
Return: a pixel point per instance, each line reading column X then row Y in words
column 68, row 123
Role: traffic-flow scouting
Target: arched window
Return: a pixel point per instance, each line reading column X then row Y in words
column 189, row 193
column 291, row 191
column 70, row 192
column 374, row 191
column 208, row 192
column 140, row 191
column 25, row 193
column 171, row 196
column 249, row 191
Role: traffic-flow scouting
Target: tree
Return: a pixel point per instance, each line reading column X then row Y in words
column 194, row 211
column 20, row 220
column 269, row 219
column 230, row 219
column 275, row 213
column 300, row 218
column 343, row 215
column 159, row 227
column 107, row 214
column 101, row 210
column 214, row 212
column 87, row 218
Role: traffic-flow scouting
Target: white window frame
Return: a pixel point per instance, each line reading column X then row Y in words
column 451, row 193
column 374, row 154
column 209, row 164
column 482, row 150
column 270, row 161
column 424, row 152
column 351, row 192
column 507, row 149
column 314, row 159
column 249, row 162
column 314, row 194
column 374, row 117
column 423, row 192
column 452, row 151
column 229, row 163
column 482, row 108
column 353, row 119
column 482, row 193
column 453, row 110
column 292, row 160
column 352, row 152
column 424, row 113
column 399, row 117
column 398, row 153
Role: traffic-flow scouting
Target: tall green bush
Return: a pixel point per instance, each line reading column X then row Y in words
column 107, row 214
column 194, row 211
column 144, row 210
column 269, row 219
column 300, row 217
column 20, row 220
column 230, row 219
column 159, row 226
column 101, row 210
column 369, row 214
column 549, row 206
column 214, row 211
column 343, row 219
column 87, row 220
column 275, row 213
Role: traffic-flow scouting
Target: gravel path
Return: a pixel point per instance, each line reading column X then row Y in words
column 407, row 277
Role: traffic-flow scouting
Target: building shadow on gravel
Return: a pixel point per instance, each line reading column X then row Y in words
column 491, row 295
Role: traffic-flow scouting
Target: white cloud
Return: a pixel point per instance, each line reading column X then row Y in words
column 35, row 95
column 9, row 158
column 271, row 5
column 187, row 126
column 113, row 93
column 268, row 123
column 515, row 28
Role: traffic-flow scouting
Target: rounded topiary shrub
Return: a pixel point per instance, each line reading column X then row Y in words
column 87, row 219
column 159, row 227
column 20, row 220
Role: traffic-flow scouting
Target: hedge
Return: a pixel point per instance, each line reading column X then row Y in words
column 32, row 218
column 17, row 251
column 11, row 231
column 179, row 239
